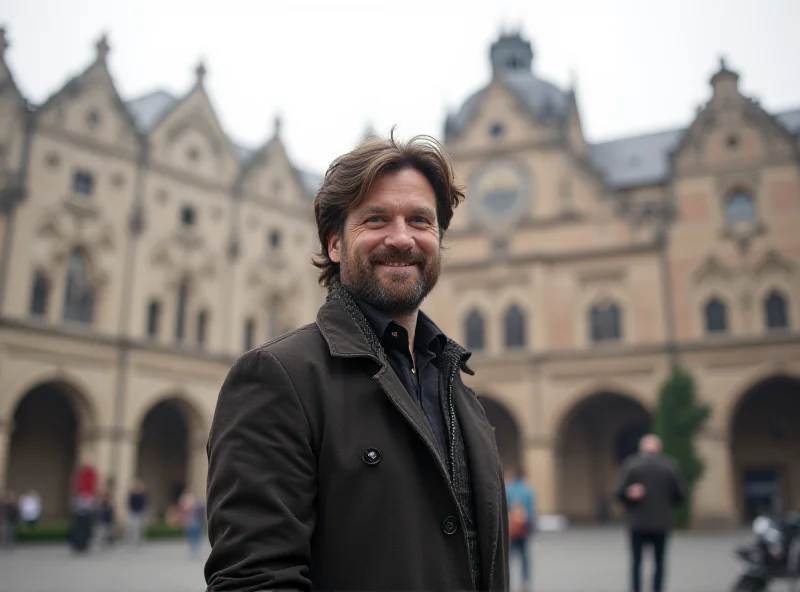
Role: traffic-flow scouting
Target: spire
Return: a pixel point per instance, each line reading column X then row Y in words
column 278, row 122
column 102, row 48
column 3, row 43
column 724, row 80
column 200, row 73
column 511, row 52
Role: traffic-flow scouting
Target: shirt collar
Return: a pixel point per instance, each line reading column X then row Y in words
column 427, row 337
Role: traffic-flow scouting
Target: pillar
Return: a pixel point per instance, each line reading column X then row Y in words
column 5, row 450
column 713, row 498
column 540, row 472
column 197, row 469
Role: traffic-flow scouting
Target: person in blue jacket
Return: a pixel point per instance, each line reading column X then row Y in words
column 521, row 519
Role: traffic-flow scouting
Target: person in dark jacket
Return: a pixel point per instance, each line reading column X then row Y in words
column 651, row 487
column 349, row 454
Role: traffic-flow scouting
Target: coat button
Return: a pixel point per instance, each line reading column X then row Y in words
column 450, row 525
column 371, row 456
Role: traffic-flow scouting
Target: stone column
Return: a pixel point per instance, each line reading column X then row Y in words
column 5, row 450
column 713, row 499
column 540, row 472
column 125, row 471
column 197, row 466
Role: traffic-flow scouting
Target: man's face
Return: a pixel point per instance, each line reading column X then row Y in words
column 389, row 251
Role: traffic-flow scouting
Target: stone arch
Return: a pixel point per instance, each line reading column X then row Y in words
column 765, row 444
column 171, row 433
column 594, row 435
column 508, row 433
column 49, row 424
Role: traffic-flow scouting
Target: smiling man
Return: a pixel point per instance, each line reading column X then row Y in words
column 348, row 454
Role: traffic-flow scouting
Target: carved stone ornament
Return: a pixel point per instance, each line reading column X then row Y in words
column 64, row 229
column 712, row 269
column 185, row 253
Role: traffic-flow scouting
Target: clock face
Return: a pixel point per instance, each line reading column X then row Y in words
column 500, row 191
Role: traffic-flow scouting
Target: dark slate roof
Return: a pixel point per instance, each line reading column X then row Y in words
column 546, row 101
column 644, row 160
column 151, row 108
column 311, row 182
column 640, row 160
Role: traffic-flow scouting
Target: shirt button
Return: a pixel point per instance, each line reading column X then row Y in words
column 450, row 525
column 371, row 456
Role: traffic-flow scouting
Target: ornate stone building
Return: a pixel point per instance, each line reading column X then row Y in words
column 143, row 251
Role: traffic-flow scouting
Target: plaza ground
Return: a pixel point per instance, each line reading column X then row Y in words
column 579, row 560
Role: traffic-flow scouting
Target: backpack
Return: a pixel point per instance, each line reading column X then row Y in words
column 517, row 522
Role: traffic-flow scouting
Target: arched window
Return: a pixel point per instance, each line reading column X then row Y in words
column 249, row 334
column 740, row 207
column 153, row 317
column 716, row 316
column 605, row 322
column 79, row 295
column 180, row 316
column 39, row 294
column 776, row 315
column 474, row 330
column 202, row 327
column 514, row 325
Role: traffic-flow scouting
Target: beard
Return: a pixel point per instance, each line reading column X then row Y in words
column 398, row 292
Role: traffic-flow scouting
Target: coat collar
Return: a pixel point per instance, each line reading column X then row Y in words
column 346, row 339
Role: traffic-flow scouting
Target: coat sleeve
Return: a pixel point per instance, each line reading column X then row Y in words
column 261, row 481
column 678, row 486
column 624, row 482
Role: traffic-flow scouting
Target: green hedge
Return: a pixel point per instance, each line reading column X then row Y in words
column 50, row 532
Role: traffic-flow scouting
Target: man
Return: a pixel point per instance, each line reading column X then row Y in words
column 348, row 454
column 650, row 487
column 30, row 507
column 521, row 519
column 137, row 505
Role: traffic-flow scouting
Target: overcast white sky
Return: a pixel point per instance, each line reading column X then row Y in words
column 331, row 67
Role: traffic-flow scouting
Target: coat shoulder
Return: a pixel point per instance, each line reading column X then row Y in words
column 302, row 343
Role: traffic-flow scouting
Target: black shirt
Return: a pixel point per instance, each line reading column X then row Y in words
column 422, row 382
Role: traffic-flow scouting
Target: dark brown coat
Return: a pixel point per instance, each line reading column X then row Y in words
column 323, row 474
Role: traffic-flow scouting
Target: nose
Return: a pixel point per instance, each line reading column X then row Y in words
column 399, row 237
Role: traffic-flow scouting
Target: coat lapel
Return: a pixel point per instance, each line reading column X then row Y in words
column 485, row 474
column 346, row 340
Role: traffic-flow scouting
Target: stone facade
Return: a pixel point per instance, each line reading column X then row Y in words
column 143, row 251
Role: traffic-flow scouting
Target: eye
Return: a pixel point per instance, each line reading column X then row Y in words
column 419, row 220
column 374, row 219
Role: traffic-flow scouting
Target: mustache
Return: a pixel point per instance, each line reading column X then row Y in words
column 388, row 258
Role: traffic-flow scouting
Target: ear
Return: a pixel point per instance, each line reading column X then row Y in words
column 335, row 248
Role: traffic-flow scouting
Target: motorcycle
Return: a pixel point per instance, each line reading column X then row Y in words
column 772, row 554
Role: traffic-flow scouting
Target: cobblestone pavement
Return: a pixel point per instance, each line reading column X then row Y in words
column 580, row 560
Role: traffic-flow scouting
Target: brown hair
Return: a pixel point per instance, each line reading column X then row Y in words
column 350, row 177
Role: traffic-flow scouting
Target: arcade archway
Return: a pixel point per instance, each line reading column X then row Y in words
column 165, row 453
column 595, row 437
column 506, row 433
column 765, row 447
column 45, row 444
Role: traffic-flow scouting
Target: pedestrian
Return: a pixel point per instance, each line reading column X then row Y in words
column 137, row 505
column 521, row 520
column 10, row 519
column 349, row 454
column 105, row 521
column 30, row 507
column 192, row 517
column 651, row 487
column 84, row 509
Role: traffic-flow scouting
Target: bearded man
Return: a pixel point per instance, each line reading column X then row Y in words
column 349, row 454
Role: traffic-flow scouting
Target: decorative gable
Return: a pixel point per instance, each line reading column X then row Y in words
column 731, row 130
column 190, row 138
column 270, row 175
column 90, row 107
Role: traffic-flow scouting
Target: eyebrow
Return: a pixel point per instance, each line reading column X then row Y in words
column 418, row 211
